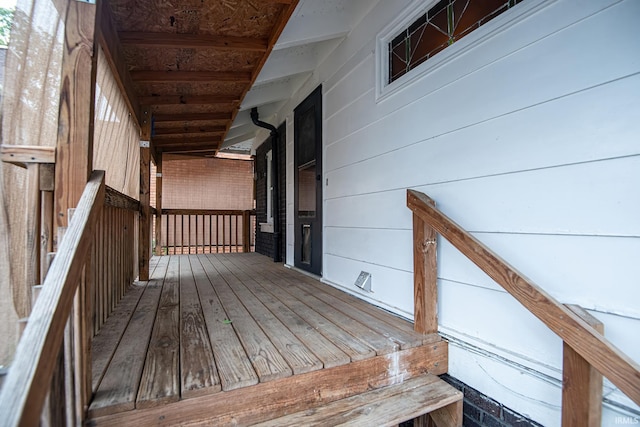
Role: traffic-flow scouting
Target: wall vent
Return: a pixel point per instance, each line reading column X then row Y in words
column 364, row 281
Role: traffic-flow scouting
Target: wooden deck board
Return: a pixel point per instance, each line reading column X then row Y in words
column 265, row 358
column 325, row 350
column 234, row 367
column 294, row 351
column 380, row 343
column 265, row 401
column 386, row 406
column 388, row 318
column 349, row 344
column 197, row 366
column 210, row 326
column 164, row 352
column 105, row 343
column 406, row 338
column 119, row 386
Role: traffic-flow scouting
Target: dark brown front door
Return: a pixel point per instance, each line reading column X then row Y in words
column 308, row 183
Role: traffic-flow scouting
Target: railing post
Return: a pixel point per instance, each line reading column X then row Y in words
column 425, row 274
column 246, row 243
column 144, row 250
column 158, row 231
column 581, row 382
column 425, row 293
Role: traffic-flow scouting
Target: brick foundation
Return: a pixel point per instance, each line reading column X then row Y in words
column 482, row 411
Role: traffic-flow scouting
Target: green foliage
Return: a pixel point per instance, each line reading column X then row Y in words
column 6, row 18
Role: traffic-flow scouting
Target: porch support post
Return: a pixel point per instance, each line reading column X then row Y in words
column 246, row 240
column 581, row 382
column 158, row 230
column 425, row 277
column 144, row 241
column 74, row 164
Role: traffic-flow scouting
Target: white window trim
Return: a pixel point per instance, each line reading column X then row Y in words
column 478, row 36
column 267, row 227
column 269, row 157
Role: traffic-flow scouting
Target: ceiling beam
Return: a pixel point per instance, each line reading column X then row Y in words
column 181, row 41
column 188, row 99
column 191, row 117
column 149, row 76
column 160, row 141
column 176, row 150
column 189, row 130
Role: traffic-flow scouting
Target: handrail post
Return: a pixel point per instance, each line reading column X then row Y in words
column 425, row 277
column 158, row 231
column 144, row 241
column 581, row 382
column 246, row 244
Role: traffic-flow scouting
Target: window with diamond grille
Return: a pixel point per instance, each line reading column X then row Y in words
column 442, row 25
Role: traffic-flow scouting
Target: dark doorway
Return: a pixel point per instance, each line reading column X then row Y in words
column 308, row 183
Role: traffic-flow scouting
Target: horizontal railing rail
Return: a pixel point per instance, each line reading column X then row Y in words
column 581, row 336
column 116, row 199
column 26, row 385
column 185, row 231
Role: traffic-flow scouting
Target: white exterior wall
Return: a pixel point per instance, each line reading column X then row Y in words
column 527, row 133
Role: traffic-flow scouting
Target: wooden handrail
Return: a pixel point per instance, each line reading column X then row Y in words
column 26, row 385
column 611, row 362
column 113, row 197
column 206, row 212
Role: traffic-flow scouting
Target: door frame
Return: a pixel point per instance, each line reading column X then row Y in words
column 313, row 100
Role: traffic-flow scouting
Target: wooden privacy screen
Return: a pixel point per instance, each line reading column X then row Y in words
column 116, row 136
column 32, row 73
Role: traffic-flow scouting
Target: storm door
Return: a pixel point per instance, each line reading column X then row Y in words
column 308, row 183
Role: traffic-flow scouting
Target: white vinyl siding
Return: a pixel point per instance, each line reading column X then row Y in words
column 530, row 139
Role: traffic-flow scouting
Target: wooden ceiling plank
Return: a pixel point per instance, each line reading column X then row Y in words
column 108, row 38
column 189, row 130
column 189, row 99
column 191, row 117
column 175, row 40
column 152, row 76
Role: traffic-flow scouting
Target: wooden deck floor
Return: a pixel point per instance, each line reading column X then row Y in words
column 218, row 326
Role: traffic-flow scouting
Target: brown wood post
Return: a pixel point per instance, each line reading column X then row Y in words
column 159, row 205
column 144, row 242
column 32, row 221
column 246, row 243
column 74, row 164
column 425, row 277
column 581, row 382
column 47, row 177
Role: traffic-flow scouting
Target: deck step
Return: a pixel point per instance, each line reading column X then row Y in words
column 386, row 406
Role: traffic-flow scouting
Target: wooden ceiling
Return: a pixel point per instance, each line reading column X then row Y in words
column 189, row 63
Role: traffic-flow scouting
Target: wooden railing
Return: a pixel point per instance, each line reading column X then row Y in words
column 35, row 361
column 114, row 254
column 584, row 346
column 190, row 231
